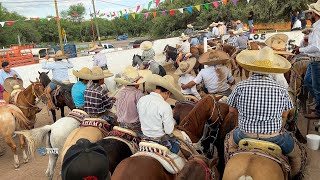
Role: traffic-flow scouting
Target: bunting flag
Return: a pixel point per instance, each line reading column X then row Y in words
column 48, row 19
column 75, row 15
column 157, row 3
column 125, row 10
column 43, row 19
column 206, row 6
column 172, row 12
column 121, row 13
column 234, row 2
column 224, row 2
column 216, row 4
column 146, row 15
column 154, row 14
column 127, row 16
column 98, row 12
column 149, row 5
column 138, row 7
column 139, row 16
column 181, row 10
column 197, row 7
column 37, row 19
column 248, row 1
column 133, row 15
column 2, row 23
column 163, row 12
column 10, row 22
column 189, row 9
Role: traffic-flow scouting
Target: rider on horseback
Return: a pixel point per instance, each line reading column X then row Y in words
column 99, row 59
column 78, row 88
column 59, row 74
column 147, row 54
column 184, row 50
column 263, row 105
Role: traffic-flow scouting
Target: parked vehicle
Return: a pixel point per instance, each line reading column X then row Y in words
column 136, row 43
column 130, row 45
column 122, row 37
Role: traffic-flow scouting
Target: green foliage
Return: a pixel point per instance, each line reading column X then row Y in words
column 75, row 13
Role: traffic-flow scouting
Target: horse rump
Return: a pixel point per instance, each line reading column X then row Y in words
column 162, row 71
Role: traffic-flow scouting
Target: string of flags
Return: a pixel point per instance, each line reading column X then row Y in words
column 9, row 23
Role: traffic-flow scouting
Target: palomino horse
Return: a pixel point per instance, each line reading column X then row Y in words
column 54, row 136
column 207, row 112
column 154, row 66
column 28, row 99
column 12, row 119
column 63, row 98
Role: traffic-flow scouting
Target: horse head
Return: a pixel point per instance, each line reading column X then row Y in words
column 44, row 78
column 38, row 90
column 136, row 60
column 165, row 49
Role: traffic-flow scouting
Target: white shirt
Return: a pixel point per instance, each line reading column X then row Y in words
column 215, row 31
column 99, row 59
column 210, row 78
column 185, row 47
column 185, row 79
column 280, row 79
column 155, row 116
column 297, row 24
column 313, row 48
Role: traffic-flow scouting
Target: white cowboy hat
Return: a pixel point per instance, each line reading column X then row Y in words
column 307, row 30
column 263, row 61
column 213, row 24
column 97, row 73
column 241, row 31
column 132, row 76
column 59, row 55
column 84, row 73
column 96, row 48
column 278, row 43
column 214, row 57
column 183, row 37
column 186, row 66
column 166, row 82
column 12, row 83
column 238, row 22
column 314, row 7
column 189, row 26
column 146, row 45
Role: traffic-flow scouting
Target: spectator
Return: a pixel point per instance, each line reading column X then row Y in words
column 250, row 21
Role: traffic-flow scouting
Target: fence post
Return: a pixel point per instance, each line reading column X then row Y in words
column 205, row 44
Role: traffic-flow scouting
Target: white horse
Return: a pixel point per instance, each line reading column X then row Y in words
column 54, row 136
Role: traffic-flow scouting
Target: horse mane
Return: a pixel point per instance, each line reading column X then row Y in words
column 44, row 79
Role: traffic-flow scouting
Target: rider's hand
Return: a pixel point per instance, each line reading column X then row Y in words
column 15, row 76
column 183, row 86
column 47, row 57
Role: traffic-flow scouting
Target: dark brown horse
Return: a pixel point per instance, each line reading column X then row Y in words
column 61, row 100
column 207, row 110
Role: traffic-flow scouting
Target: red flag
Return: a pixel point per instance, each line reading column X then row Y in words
column 114, row 14
column 172, row 12
column 75, row 14
column 138, row 7
column 216, row 4
column 98, row 12
column 36, row 19
column 10, row 22
column 157, row 3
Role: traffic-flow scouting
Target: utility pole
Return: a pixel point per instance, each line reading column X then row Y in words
column 95, row 20
column 93, row 36
column 59, row 27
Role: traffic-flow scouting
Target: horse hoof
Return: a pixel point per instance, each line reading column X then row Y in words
column 25, row 161
column 16, row 166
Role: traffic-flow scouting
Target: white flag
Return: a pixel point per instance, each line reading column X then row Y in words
column 2, row 23
column 248, row 1
column 181, row 10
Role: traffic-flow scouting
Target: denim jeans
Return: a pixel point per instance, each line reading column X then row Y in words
column 173, row 146
column 285, row 141
column 312, row 81
column 250, row 22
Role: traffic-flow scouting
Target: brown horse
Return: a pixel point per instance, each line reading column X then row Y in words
column 140, row 167
column 27, row 101
column 256, row 45
column 12, row 119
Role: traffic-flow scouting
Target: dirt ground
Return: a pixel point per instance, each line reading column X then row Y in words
column 35, row 168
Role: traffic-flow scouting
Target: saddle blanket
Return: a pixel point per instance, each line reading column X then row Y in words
column 3, row 102
column 78, row 115
column 101, row 124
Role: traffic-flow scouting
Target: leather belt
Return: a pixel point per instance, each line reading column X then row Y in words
column 256, row 135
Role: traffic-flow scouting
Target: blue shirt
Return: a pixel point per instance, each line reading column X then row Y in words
column 194, row 42
column 59, row 70
column 4, row 75
column 77, row 93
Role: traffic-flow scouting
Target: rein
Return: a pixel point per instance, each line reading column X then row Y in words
column 35, row 95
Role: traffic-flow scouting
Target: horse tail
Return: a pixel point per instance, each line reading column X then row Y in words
column 162, row 71
column 35, row 137
column 244, row 177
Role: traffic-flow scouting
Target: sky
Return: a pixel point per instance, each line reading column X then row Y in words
column 43, row 8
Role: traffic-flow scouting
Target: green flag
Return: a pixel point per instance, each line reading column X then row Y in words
column 120, row 13
column 149, row 5
column 206, row 6
column 139, row 15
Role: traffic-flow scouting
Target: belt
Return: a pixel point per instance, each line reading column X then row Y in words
column 256, row 135
column 315, row 58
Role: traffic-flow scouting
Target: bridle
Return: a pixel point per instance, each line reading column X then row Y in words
column 210, row 175
column 33, row 92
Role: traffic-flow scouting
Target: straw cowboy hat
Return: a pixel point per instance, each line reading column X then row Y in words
column 263, row 61
column 132, row 76
column 59, row 55
column 146, row 45
column 238, row 22
column 241, row 31
column 96, row 48
column 220, row 23
column 84, row 73
column 214, row 57
column 12, row 83
column 213, row 24
column 186, row 66
column 97, row 73
column 278, row 43
column 183, row 37
column 314, row 7
column 166, row 82
column 189, row 26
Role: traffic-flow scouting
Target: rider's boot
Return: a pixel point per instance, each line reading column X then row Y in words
column 50, row 104
column 295, row 159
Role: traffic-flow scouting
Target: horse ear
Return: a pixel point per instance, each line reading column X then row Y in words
column 31, row 81
column 39, row 72
column 47, row 72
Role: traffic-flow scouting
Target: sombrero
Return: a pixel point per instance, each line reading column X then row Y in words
column 12, row 83
column 183, row 37
column 166, row 82
column 96, row 48
column 186, row 66
column 189, row 26
column 214, row 57
column 307, row 30
column 146, row 45
column 314, row 7
column 132, row 76
column 97, row 73
column 238, row 22
column 213, row 24
column 263, row 61
column 278, row 43
column 59, row 55
column 84, row 73
column 241, row 31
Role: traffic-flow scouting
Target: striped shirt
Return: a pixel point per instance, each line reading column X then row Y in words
column 96, row 100
column 260, row 102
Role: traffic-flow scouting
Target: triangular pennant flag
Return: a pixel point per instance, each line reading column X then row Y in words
column 189, row 9
column 146, row 15
column 43, row 19
column 139, row 16
column 157, row 3
column 36, row 19
column 10, row 22
column 114, row 14
column 181, row 10
column 154, row 14
column 216, row 4
column 206, row 6
column 197, row 7
column 121, row 13
column 172, row 12
column 248, row 1
column 130, row 10
column 75, row 15
column 133, row 15
column 127, row 16
column 138, row 7
column 224, row 2
column 98, row 12
column 125, row 10
column 163, row 12
column 149, row 5
column 234, row 2
column 2, row 23
column 48, row 19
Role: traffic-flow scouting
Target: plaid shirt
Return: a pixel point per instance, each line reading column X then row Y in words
column 96, row 100
column 232, row 41
column 260, row 102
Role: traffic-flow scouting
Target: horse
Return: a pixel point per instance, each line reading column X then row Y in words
column 54, row 136
column 27, row 99
column 154, row 66
column 11, row 119
column 63, row 97
column 256, row 45
column 207, row 110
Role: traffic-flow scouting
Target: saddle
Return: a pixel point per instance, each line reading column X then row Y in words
column 126, row 136
column 99, row 123
column 78, row 115
column 61, row 87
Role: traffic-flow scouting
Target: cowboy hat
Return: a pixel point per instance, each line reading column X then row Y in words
column 213, row 24
column 278, row 43
column 183, row 37
column 232, row 31
column 220, row 23
column 96, row 48
column 263, row 61
column 186, row 66
column 146, row 45
column 241, row 31
column 97, row 73
column 59, row 55
column 84, row 73
column 307, row 30
column 214, row 57
column 189, row 26
column 166, row 82
column 12, row 83
column 132, row 76
column 238, row 22
column 314, row 7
